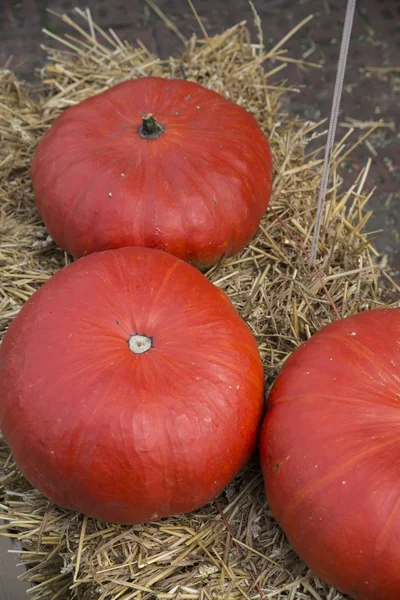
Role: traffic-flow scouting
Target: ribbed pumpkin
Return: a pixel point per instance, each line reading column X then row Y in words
column 160, row 163
column 330, row 452
column 130, row 389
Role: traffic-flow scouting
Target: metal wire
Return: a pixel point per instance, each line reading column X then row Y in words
column 344, row 48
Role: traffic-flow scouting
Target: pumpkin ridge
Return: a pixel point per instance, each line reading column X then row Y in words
column 339, row 398
column 338, row 471
column 362, row 350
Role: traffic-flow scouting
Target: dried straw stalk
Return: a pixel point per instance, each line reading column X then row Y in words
column 232, row 548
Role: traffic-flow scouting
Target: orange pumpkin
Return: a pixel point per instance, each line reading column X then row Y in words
column 130, row 387
column 330, row 452
column 193, row 179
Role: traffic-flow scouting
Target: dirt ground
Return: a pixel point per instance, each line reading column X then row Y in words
column 368, row 95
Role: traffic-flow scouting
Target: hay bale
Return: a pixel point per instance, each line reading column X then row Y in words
column 231, row 548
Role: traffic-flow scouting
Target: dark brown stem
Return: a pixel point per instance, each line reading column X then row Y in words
column 150, row 128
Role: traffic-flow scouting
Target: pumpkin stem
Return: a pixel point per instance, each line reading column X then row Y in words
column 139, row 344
column 150, row 128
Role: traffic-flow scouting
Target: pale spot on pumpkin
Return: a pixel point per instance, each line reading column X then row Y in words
column 110, row 194
column 353, row 333
column 123, row 175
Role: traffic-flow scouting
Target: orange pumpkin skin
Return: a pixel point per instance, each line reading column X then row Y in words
column 330, row 452
column 197, row 191
column 117, row 435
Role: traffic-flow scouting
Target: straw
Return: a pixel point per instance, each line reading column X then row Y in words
column 232, row 549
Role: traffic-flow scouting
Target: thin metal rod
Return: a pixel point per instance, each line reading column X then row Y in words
column 344, row 48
